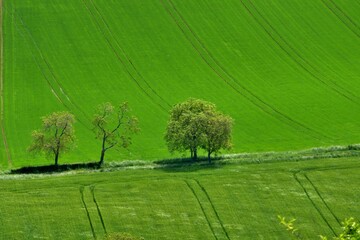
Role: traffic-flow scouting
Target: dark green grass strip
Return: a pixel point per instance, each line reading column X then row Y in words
column 322, row 199
column 313, row 203
column 213, row 208
column 342, row 16
column 87, row 211
column 293, row 54
column 92, row 188
column 223, row 74
column 122, row 56
column 202, row 209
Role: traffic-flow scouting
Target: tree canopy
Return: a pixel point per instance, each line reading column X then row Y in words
column 114, row 126
column 56, row 135
column 196, row 124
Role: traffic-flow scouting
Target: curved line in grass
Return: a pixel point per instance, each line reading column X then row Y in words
column 92, row 189
column 313, row 203
column 322, row 199
column 213, row 208
column 346, row 20
column 222, row 73
column 38, row 51
column 81, row 189
column 126, row 55
column 126, row 63
column 202, row 208
column 294, row 55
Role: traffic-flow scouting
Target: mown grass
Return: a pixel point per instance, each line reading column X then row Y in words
column 236, row 201
column 286, row 72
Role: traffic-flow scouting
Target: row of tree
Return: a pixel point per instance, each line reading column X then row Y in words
column 114, row 126
column 194, row 124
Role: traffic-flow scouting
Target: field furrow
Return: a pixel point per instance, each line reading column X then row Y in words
column 343, row 17
column 48, row 73
column 228, row 78
column 87, row 212
column 123, row 58
column 317, row 202
column 295, row 55
column 211, row 216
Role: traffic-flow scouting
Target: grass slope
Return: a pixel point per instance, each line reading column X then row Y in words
column 285, row 71
column 224, row 202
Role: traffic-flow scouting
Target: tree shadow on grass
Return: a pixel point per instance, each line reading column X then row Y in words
column 55, row 169
column 188, row 164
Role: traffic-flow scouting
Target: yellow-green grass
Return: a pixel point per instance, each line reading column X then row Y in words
column 218, row 202
column 286, row 71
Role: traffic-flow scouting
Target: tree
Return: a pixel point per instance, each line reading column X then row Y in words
column 196, row 124
column 55, row 136
column 217, row 133
column 114, row 127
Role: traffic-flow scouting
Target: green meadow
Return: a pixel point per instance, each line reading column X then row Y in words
column 231, row 201
column 286, row 71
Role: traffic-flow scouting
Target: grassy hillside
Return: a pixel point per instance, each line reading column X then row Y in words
column 218, row 202
column 286, row 71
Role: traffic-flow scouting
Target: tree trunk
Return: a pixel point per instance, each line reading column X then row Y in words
column 102, row 157
column 209, row 157
column 195, row 154
column 56, row 158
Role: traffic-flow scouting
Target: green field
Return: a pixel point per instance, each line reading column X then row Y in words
column 286, row 71
column 236, row 201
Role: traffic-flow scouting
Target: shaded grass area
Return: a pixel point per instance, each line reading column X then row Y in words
column 188, row 164
column 55, row 169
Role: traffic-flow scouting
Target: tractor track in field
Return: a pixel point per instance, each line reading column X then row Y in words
column 327, row 210
column 213, row 208
column 37, row 51
column 202, row 209
column 82, row 188
column 342, row 16
column 123, row 58
column 322, row 199
column 127, row 56
column 211, row 215
column 295, row 175
column 293, row 54
column 223, row 74
column 2, row 118
column 42, row 72
column 92, row 189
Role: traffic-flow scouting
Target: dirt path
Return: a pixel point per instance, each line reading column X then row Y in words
column 2, row 123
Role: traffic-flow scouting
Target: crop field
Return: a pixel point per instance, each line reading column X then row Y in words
column 286, row 71
column 237, row 201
